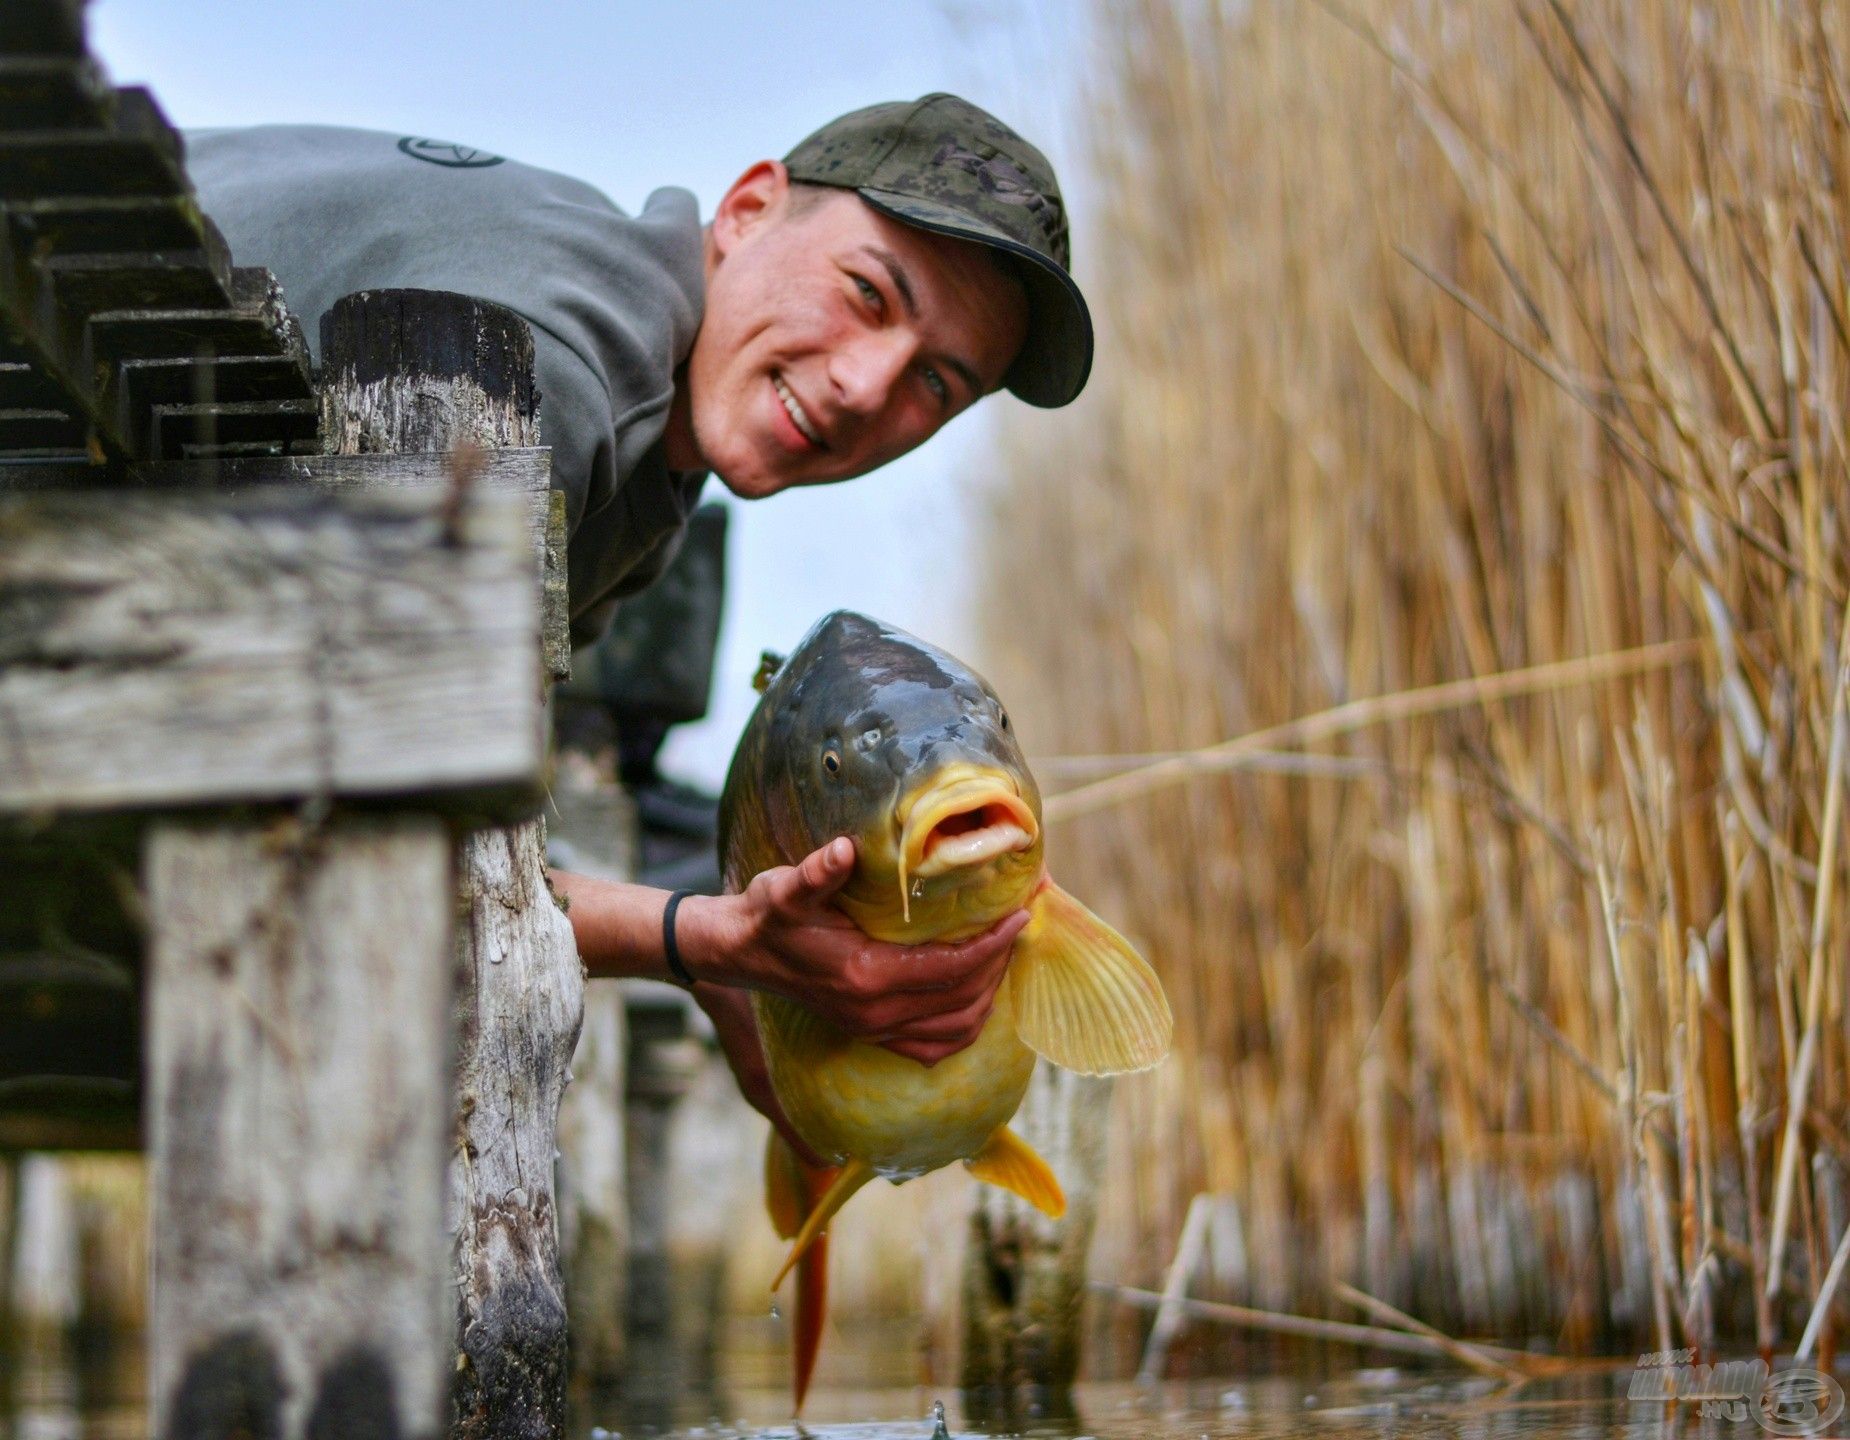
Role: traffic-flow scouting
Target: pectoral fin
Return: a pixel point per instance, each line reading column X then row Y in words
column 848, row 1179
column 1082, row 997
column 1010, row 1162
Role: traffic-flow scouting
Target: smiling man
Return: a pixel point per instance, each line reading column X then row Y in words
column 839, row 307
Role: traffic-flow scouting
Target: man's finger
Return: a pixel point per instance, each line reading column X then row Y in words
column 819, row 874
column 956, row 1028
column 942, row 968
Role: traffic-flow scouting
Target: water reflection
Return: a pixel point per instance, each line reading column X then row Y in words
column 57, row 1390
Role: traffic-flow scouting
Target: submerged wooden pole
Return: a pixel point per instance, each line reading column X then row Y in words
column 408, row 370
column 1025, row 1275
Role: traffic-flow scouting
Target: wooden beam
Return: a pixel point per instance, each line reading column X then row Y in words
column 271, row 644
column 524, row 471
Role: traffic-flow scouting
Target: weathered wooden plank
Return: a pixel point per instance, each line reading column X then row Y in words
column 42, row 27
column 298, row 1113
column 133, row 280
column 41, row 334
column 39, row 92
column 246, row 428
column 269, row 644
column 146, row 383
column 526, row 471
column 257, row 323
column 138, row 152
column 103, row 224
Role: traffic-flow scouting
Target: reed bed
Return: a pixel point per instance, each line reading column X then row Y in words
column 1492, row 358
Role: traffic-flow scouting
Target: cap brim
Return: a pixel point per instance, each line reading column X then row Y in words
column 1056, row 357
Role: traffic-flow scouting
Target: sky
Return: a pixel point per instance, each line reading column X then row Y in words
column 632, row 96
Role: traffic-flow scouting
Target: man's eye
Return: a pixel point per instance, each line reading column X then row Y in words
column 935, row 382
column 869, row 293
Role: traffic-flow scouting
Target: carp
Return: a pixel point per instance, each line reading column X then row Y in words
column 868, row 732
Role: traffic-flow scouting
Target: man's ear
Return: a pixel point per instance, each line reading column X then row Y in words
column 757, row 195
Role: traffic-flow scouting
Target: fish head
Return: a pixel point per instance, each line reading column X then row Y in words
column 899, row 745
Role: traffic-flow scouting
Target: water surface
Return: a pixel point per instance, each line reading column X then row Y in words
column 58, row 1392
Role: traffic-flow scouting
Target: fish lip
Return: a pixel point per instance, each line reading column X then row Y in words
column 1015, row 829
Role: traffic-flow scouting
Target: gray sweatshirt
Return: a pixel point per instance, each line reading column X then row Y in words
column 614, row 301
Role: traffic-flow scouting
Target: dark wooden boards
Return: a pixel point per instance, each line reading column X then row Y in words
column 128, row 331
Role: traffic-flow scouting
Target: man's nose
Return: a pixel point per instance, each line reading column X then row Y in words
column 865, row 372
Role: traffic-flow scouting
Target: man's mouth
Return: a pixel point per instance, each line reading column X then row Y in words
column 798, row 416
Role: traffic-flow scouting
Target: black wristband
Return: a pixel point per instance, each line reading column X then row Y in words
column 671, row 952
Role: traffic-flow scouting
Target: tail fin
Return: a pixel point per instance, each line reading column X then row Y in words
column 799, row 1198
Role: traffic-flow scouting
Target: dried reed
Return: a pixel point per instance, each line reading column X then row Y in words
column 1444, row 344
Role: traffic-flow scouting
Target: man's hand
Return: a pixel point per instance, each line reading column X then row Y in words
column 737, row 1028
column 783, row 935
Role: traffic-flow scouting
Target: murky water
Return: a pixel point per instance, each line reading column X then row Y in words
column 1373, row 1404
column 54, row 1393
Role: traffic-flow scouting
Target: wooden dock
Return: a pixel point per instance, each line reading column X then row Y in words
column 273, row 657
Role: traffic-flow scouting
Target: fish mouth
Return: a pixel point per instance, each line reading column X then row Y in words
column 961, row 822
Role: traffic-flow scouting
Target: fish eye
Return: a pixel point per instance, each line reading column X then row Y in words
column 1005, row 716
column 831, row 760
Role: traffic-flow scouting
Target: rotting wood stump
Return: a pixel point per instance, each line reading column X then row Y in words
column 407, row 370
column 1025, row 1275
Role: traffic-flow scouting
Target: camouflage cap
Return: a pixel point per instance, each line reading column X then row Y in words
column 943, row 165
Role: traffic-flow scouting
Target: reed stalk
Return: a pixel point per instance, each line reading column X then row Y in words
column 1437, row 607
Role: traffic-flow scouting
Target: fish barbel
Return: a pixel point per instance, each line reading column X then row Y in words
column 868, row 732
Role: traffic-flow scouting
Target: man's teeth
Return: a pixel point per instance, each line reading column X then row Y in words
column 795, row 411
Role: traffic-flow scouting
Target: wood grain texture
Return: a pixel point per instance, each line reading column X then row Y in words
column 298, row 1079
column 519, row 1009
column 597, row 820
column 410, row 371
column 183, row 649
column 425, row 370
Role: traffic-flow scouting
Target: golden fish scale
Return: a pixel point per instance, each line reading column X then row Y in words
column 851, row 1099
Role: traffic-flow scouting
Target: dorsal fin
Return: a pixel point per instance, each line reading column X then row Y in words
column 769, row 663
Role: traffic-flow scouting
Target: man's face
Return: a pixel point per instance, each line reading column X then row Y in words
column 836, row 338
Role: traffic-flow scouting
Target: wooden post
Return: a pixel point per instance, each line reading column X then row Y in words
column 597, row 820
column 297, row 1097
column 409, row 370
column 664, row 1060
column 1025, row 1276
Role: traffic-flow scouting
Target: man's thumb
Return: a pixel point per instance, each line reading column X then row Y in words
column 828, row 869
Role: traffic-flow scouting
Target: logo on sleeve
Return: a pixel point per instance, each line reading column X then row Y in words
column 452, row 157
